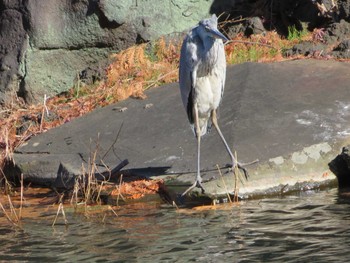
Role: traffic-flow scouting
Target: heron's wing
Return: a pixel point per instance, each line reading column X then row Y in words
column 187, row 73
column 221, row 62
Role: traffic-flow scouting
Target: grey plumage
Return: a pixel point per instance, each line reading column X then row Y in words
column 202, row 74
column 202, row 71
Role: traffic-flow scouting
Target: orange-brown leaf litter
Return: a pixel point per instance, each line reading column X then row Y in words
column 136, row 189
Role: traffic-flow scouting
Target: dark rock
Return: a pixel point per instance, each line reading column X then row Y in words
column 10, row 4
column 330, row 18
column 95, row 72
column 344, row 45
column 275, row 15
column 342, row 50
column 340, row 166
column 12, row 40
column 337, row 32
column 26, row 122
column 293, row 116
column 254, row 26
column 307, row 49
column 344, row 10
column 65, row 177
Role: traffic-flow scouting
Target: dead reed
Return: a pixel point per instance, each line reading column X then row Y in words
column 9, row 210
column 224, row 183
column 60, row 209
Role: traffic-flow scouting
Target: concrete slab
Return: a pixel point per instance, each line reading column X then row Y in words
column 294, row 116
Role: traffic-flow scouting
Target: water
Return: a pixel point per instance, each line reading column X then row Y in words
column 308, row 227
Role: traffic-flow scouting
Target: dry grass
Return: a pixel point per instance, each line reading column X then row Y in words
column 260, row 48
column 11, row 213
column 223, row 182
column 60, row 209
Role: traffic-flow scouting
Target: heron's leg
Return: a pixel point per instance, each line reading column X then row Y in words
column 233, row 159
column 198, row 182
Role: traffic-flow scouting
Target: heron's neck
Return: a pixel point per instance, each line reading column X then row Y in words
column 210, row 52
column 208, row 43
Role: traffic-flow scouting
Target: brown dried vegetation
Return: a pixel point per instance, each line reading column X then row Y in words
column 136, row 189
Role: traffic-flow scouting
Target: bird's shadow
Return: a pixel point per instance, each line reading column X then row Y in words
column 151, row 171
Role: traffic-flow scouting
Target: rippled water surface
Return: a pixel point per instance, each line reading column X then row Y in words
column 308, row 227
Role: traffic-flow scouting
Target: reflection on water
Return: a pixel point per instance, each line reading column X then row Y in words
column 310, row 227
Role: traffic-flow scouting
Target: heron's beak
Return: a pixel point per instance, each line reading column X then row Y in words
column 217, row 34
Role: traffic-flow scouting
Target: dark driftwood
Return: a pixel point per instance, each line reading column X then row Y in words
column 340, row 166
column 112, row 174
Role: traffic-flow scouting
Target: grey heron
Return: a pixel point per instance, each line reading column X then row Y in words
column 202, row 74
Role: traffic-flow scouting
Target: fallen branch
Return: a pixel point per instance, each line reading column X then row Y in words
column 110, row 174
column 250, row 42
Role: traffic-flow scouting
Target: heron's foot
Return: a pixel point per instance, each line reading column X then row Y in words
column 241, row 167
column 198, row 184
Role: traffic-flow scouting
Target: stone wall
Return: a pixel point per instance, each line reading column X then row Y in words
column 45, row 44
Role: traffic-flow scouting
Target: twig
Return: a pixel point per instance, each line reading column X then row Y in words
column 120, row 166
column 233, row 20
column 78, row 86
column 235, row 174
column 60, row 208
column 114, row 212
column 25, row 136
column 114, row 142
column 75, row 193
column 7, row 216
column 21, row 203
column 91, row 175
column 154, row 82
column 43, row 114
column 98, row 197
column 104, row 217
column 58, row 211
column 223, row 181
column 8, row 150
column 13, row 211
column 102, row 176
column 120, row 185
column 174, row 204
column 64, row 215
column 250, row 42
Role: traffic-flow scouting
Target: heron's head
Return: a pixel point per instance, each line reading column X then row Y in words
column 209, row 28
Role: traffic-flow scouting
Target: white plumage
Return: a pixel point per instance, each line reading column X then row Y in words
column 202, row 76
